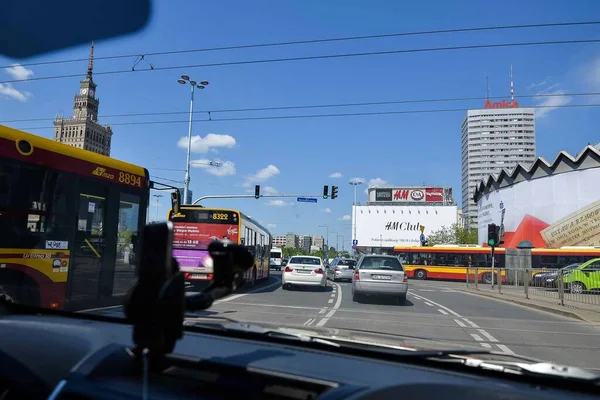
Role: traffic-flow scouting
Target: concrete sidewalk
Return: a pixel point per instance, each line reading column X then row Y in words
column 585, row 312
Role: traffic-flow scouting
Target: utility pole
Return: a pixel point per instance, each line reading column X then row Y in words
column 158, row 196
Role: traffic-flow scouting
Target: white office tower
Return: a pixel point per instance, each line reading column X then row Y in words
column 499, row 136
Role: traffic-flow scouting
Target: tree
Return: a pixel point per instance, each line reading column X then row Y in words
column 454, row 234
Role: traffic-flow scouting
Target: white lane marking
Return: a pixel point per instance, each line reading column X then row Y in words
column 442, row 311
column 237, row 296
column 505, row 349
column 488, row 336
column 439, row 305
column 426, row 290
column 429, row 304
column 322, row 310
column 310, row 321
column 460, row 323
column 486, row 345
column 474, row 325
column 337, row 304
column 476, row 337
column 330, row 301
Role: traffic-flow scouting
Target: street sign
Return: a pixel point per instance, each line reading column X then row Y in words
column 307, row 200
column 355, row 242
column 326, row 256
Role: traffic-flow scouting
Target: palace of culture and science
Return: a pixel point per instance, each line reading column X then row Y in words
column 83, row 130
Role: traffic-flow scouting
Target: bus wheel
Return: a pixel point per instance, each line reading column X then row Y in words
column 486, row 278
column 19, row 288
column 420, row 274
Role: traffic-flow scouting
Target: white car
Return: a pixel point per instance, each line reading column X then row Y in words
column 305, row 271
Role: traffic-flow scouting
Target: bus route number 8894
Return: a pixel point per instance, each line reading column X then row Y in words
column 130, row 179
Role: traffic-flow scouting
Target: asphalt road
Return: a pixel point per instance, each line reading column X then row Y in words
column 433, row 310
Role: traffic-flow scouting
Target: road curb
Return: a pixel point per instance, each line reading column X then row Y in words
column 523, row 302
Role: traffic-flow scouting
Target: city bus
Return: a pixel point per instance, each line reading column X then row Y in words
column 276, row 258
column 67, row 219
column 195, row 227
column 451, row 261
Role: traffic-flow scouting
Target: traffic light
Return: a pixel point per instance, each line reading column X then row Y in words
column 325, row 191
column 334, row 190
column 493, row 235
column 257, row 191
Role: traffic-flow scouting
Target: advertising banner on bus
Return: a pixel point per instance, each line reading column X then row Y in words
column 550, row 212
column 191, row 240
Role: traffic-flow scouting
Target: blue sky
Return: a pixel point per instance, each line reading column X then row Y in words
column 299, row 155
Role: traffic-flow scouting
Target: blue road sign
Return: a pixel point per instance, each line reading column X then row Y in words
column 355, row 242
column 326, row 255
column 307, row 200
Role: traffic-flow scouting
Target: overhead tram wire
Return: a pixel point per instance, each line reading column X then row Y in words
column 282, row 117
column 322, row 40
column 319, row 57
column 313, row 106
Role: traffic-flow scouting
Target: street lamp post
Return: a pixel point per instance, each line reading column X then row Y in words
column 158, row 196
column 343, row 248
column 185, row 79
column 327, row 243
column 355, row 184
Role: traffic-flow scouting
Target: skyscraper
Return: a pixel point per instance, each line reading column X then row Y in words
column 498, row 137
column 82, row 130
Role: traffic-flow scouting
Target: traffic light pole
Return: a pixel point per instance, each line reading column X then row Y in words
column 249, row 196
column 493, row 259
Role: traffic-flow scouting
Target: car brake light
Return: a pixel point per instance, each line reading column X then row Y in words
column 405, row 278
column 356, row 276
column 288, row 269
column 318, row 271
column 337, row 268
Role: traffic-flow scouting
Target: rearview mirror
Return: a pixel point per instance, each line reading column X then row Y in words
column 175, row 201
column 35, row 27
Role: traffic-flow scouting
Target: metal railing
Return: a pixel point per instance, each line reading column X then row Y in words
column 574, row 288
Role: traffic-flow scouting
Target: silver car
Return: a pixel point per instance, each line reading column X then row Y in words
column 379, row 275
column 341, row 268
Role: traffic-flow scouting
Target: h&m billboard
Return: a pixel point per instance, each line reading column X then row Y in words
column 410, row 195
column 550, row 212
column 389, row 226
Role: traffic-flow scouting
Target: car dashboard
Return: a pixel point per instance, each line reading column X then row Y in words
column 59, row 357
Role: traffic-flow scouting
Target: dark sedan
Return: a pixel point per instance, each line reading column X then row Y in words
column 549, row 279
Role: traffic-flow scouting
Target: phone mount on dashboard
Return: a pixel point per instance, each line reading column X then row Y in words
column 156, row 304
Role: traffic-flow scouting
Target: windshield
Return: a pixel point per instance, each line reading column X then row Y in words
column 450, row 154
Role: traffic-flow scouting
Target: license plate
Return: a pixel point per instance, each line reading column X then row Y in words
column 198, row 276
column 303, row 271
column 382, row 277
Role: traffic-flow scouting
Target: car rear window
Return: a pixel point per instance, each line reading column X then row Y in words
column 381, row 263
column 350, row 263
column 305, row 260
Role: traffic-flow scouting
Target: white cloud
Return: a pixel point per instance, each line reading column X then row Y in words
column 357, row 180
column 271, row 226
column 207, row 143
column 17, row 71
column 336, row 175
column 224, row 169
column 550, row 97
column 7, row 90
column 345, row 218
column 262, row 175
column 277, row 203
column 269, row 190
column 326, row 210
column 375, row 182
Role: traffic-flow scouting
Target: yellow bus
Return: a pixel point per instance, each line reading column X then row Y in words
column 67, row 216
column 452, row 261
column 195, row 227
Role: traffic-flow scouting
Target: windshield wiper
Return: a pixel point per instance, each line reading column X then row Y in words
column 540, row 369
column 251, row 330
